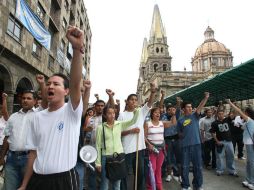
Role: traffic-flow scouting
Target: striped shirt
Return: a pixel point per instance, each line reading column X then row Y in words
column 155, row 133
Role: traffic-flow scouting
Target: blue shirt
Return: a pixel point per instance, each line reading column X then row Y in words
column 171, row 131
column 248, row 134
column 188, row 129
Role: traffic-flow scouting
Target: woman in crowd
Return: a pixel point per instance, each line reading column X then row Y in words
column 154, row 132
column 111, row 144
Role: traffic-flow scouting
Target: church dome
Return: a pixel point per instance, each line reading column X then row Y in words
column 210, row 45
column 211, row 54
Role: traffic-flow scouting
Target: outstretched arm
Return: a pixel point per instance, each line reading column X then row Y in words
column 202, row 103
column 41, row 81
column 76, row 38
column 162, row 99
column 152, row 95
column 111, row 94
column 243, row 115
column 4, row 107
column 172, row 121
column 86, row 95
column 126, row 124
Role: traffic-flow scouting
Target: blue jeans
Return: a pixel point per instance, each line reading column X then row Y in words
column 80, row 168
column 92, row 176
column 227, row 150
column 131, row 162
column 173, row 155
column 192, row 154
column 104, row 179
column 14, row 170
column 250, row 164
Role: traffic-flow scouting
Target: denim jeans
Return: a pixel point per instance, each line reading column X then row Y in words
column 131, row 162
column 227, row 151
column 250, row 163
column 92, row 177
column 14, row 170
column 104, row 180
column 80, row 168
column 192, row 154
column 173, row 155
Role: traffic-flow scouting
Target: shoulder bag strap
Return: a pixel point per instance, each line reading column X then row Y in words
column 103, row 133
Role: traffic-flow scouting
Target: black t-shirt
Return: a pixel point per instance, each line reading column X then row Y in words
column 222, row 129
column 235, row 131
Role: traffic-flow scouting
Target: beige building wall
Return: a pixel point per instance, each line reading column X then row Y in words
column 22, row 57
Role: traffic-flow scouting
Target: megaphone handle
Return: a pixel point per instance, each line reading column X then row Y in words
column 91, row 167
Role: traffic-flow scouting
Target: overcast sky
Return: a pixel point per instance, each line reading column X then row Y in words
column 119, row 27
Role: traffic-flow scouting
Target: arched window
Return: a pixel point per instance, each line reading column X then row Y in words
column 164, row 67
column 162, row 50
column 157, row 50
column 155, row 67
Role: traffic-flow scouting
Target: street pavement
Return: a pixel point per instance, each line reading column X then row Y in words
column 214, row 182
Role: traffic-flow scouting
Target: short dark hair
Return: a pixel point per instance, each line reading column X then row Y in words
column 30, row 92
column 250, row 112
column 185, row 103
column 131, row 95
column 64, row 77
column 169, row 106
column 99, row 101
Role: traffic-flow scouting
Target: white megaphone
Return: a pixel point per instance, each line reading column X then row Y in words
column 88, row 154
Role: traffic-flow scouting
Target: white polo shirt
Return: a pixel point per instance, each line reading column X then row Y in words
column 55, row 135
column 2, row 127
column 17, row 128
column 129, row 141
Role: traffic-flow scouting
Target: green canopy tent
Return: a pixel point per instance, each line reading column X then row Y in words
column 236, row 83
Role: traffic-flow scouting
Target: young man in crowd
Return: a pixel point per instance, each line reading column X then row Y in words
column 173, row 160
column 15, row 141
column 224, row 146
column 54, row 133
column 209, row 143
column 4, row 116
column 188, row 130
column 134, row 132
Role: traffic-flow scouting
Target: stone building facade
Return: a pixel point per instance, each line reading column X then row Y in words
column 210, row 58
column 22, row 56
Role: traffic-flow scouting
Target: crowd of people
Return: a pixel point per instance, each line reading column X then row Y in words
column 40, row 143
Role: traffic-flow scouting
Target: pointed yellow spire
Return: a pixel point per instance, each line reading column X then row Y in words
column 157, row 29
column 144, row 54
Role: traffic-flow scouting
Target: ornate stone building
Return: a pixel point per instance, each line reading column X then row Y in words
column 22, row 56
column 210, row 58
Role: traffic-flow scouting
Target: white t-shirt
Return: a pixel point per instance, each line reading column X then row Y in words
column 55, row 135
column 94, row 122
column 129, row 141
column 17, row 128
column 2, row 127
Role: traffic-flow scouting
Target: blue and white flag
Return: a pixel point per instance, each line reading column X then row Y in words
column 32, row 23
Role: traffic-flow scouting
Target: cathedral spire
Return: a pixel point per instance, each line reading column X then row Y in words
column 157, row 32
column 144, row 54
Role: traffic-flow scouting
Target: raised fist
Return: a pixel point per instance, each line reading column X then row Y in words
column 76, row 37
column 40, row 79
